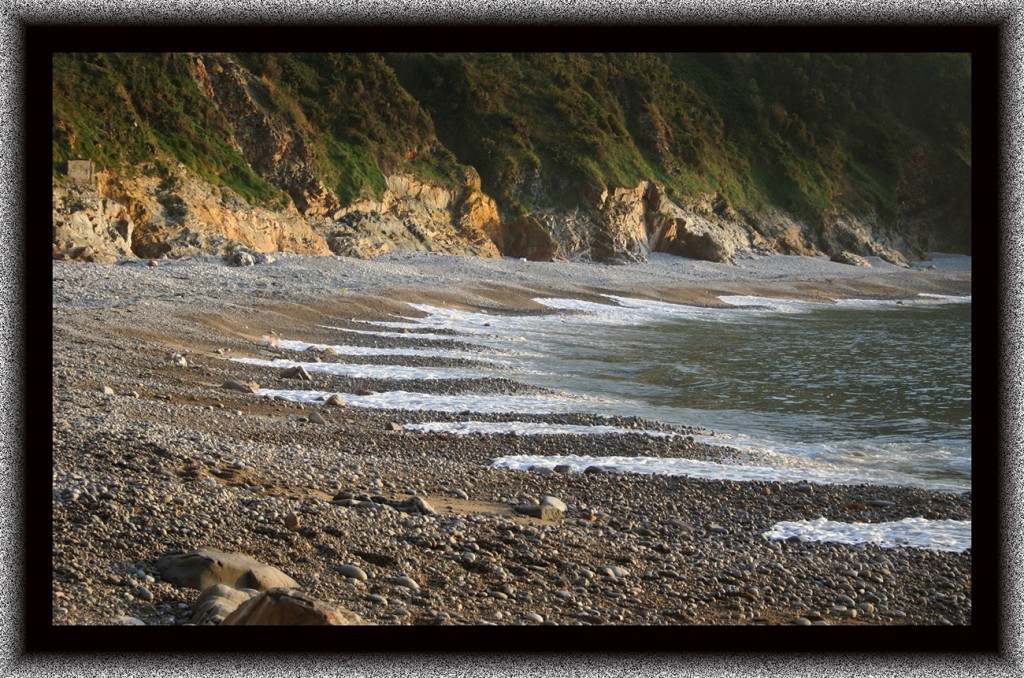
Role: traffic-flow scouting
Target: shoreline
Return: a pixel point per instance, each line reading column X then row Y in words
column 170, row 460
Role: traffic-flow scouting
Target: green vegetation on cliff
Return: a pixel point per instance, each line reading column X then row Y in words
column 883, row 135
column 121, row 110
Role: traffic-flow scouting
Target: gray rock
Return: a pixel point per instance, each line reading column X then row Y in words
column 205, row 567
column 316, row 418
column 850, row 258
column 125, row 620
column 243, row 386
column 541, row 511
column 335, row 400
column 240, row 259
column 420, row 505
column 408, row 583
column 297, row 372
column 553, row 502
column 564, row 469
column 352, row 572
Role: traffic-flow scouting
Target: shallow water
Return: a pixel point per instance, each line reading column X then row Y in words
column 879, row 388
column 883, row 388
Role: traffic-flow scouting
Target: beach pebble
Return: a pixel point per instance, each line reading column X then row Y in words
column 554, row 502
column 125, row 620
column 407, row 582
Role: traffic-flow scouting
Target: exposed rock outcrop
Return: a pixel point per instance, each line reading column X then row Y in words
column 90, row 227
column 627, row 224
column 175, row 217
column 416, row 215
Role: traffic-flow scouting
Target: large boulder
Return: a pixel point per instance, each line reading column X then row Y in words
column 206, row 567
column 217, row 602
column 287, row 607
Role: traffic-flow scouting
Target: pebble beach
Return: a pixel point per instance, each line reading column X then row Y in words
column 153, row 454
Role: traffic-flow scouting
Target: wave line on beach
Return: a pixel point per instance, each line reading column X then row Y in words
column 823, row 474
column 921, row 533
column 530, row 428
column 466, row 402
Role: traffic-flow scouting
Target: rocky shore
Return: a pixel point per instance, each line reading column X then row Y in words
column 154, row 455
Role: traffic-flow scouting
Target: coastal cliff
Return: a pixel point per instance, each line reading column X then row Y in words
column 604, row 157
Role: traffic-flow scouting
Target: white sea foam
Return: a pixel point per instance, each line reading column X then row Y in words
column 905, row 463
column 293, row 345
column 819, row 474
column 409, row 400
column 528, row 428
column 923, row 299
column 936, row 535
column 770, row 304
column 756, row 303
column 427, row 336
column 953, row 299
column 399, row 372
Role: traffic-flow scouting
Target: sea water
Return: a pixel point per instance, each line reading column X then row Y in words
column 882, row 389
column 857, row 391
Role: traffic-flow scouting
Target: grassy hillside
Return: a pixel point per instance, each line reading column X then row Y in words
column 124, row 109
column 883, row 134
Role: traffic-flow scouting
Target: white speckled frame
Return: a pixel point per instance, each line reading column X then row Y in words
column 658, row 25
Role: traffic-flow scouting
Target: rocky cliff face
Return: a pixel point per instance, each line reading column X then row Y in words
column 415, row 215
column 185, row 216
column 166, row 208
column 142, row 216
